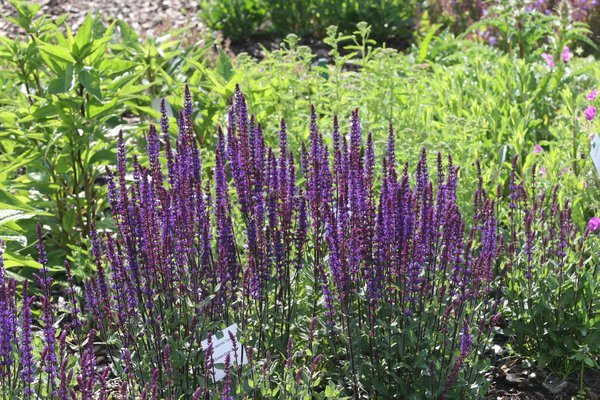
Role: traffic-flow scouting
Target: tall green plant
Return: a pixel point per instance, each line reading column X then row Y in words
column 65, row 95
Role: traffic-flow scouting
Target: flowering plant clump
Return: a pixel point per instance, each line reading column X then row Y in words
column 551, row 280
column 344, row 278
column 36, row 366
column 389, row 284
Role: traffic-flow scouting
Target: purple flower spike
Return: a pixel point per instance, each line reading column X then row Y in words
column 26, row 360
column 591, row 96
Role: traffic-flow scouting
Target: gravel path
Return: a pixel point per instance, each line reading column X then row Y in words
column 145, row 16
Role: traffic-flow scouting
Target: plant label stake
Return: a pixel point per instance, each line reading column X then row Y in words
column 223, row 345
column 595, row 152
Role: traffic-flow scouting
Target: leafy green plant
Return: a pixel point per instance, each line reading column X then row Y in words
column 519, row 28
column 63, row 97
column 551, row 282
column 239, row 20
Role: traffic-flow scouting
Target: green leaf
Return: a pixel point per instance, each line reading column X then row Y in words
column 103, row 157
column 7, row 215
column 63, row 83
column 224, row 66
column 90, row 79
column 17, row 261
column 330, row 391
column 9, row 233
column 589, row 362
column 105, row 109
column 129, row 36
column 85, row 32
column 424, row 47
column 57, row 52
column 21, row 239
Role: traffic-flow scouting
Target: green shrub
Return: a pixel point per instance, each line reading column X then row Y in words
column 63, row 96
column 240, row 20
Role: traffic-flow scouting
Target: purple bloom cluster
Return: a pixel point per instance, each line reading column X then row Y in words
column 28, row 371
column 373, row 244
column 8, row 320
column 383, row 258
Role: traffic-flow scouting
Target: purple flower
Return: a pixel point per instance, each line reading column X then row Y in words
column 591, row 96
column 197, row 394
column 549, row 59
column 466, row 341
column 49, row 354
column 593, row 224
column 537, row 149
column 26, row 360
column 8, row 318
column 566, row 54
column 226, row 393
column 590, row 113
column 86, row 378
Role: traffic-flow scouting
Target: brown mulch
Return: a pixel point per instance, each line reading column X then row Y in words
column 147, row 17
column 512, row 380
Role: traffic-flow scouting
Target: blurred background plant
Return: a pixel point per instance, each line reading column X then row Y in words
column 241, row 20
column 396, row 22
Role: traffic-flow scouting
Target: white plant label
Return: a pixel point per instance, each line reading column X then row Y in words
column 222, row 347
column 595, row 152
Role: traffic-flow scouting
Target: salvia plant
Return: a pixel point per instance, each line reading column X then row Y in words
column 346, row 274
column 392, row 272
column 552, row 280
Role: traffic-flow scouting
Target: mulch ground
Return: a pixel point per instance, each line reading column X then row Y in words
column 511, row 380
column 147, row 17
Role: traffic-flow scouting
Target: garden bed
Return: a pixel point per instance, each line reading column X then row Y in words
column 280, row 216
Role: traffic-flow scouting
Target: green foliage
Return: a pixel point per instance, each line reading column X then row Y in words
column 64, row 96
column 235, row 18
column 551, row 286
column 241, row 19
column 519, row 29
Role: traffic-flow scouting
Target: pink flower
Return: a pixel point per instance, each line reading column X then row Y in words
column 592, row 95
column 585, row 184
column 549, row 60
column 543, row 171
column 537, row 149
column 590, row 113
column 594, row 224
column 566, row 54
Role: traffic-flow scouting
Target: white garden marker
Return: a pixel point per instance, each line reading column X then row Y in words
column 224, row 346
column 595, row 152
